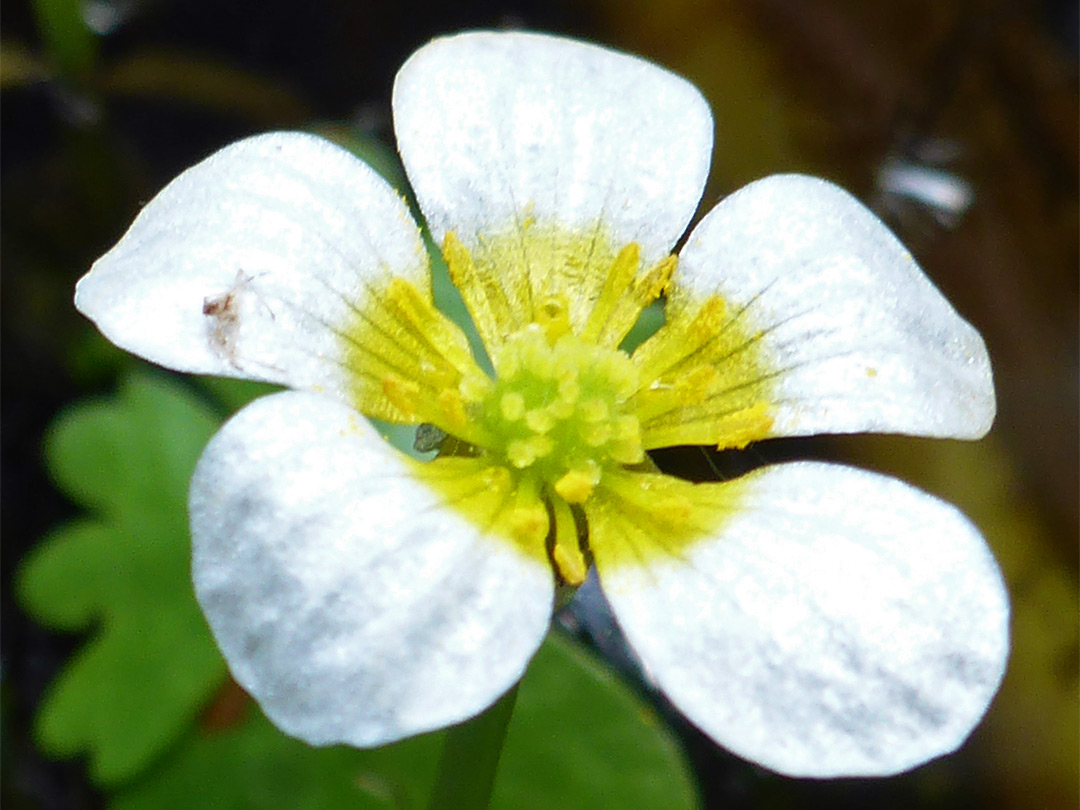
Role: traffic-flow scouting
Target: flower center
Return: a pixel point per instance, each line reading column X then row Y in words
column 558, row 409
column 552, row 445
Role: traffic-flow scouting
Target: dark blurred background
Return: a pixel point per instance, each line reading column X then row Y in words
column 956, row 120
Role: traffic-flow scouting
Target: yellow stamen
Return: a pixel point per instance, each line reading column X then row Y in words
column 620, row 276
column 495, row 301
column 452, row 407
column 577, row 485
column 570, row 563
column 623, row 296
column 403, row 395
column 745, row 426
column 552, row 435
column 553, row 316
column 705, row 381
column 410, row 363
column 636, row 518
column 528, row 523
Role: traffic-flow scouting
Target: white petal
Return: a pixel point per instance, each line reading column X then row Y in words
column 865, row 341
column 347, row 600
column 844, row 623
column 246, row 263
column 497, row 128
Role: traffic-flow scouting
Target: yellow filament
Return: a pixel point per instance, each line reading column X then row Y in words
column 490, row 297
column 623, row 296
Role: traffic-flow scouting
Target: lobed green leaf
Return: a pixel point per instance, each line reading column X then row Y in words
column 149, row 664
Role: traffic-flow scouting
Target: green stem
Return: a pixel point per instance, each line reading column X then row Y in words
column 470, row 756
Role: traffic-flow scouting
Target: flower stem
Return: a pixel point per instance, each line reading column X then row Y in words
column 470, row 756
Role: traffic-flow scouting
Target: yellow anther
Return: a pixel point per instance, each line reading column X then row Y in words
column 709, row 318
column 693, row 386
column 570, row 564
column 553, row 316
column 655, row 280
column 745, row 426
column 497, row 478
column 528, row 523
column 623, row 296
column 512, row 406
column 673, row 509
column 474, row 387
column 576, row 486
column 403, row 394
column 452, row 406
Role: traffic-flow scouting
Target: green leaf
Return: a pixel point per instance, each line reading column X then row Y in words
column 647, row 325
column 232, row 395
column 581, row 739
column 150, row 663
column 376, row 154
column 256, row 766
column 578, row 739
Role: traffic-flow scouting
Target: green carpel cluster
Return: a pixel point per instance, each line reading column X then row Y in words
column 558, row 410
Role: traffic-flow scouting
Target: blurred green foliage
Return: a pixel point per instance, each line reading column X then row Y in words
column 71, row 44
column 255, row 765
column 150, row 663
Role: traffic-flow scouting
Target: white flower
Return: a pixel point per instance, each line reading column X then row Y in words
column 816, row 619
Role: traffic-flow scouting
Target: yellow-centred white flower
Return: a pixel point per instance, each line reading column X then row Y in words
column 813, row 618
